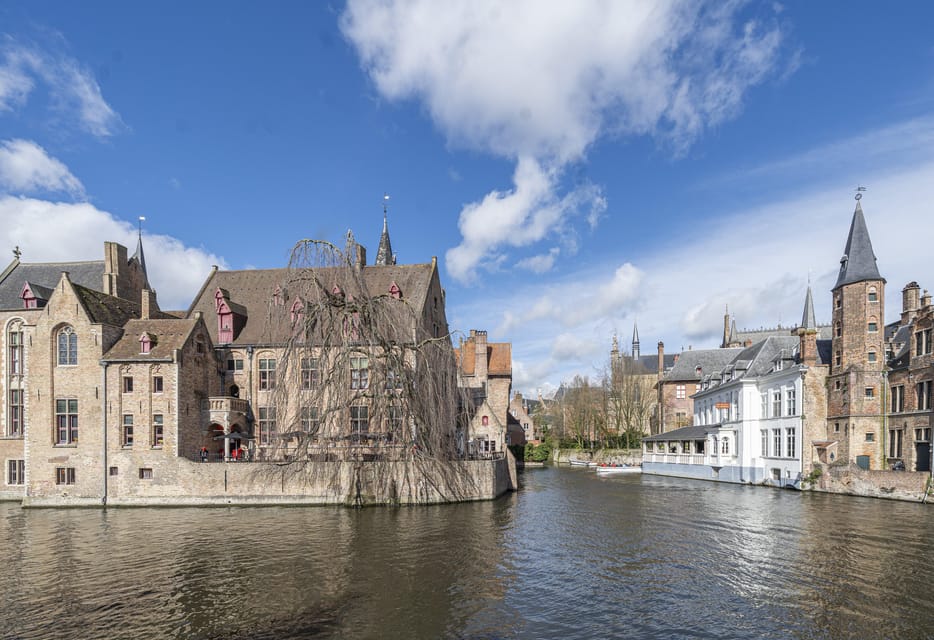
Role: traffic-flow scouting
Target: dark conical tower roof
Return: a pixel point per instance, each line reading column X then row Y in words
column 858, row 262
column 384, row 254
column 808, row 320
column 141, row 258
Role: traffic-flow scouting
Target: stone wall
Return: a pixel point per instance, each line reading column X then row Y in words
column 600, row 456
column 851, row 480
column 190, row 483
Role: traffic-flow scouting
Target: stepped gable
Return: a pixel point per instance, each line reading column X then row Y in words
column 253, row 291
column 859, row 261
column 47, row 275
column 169, row 333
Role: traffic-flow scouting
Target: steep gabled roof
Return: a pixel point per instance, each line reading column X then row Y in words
column 709, row 360
column 170, row 334
column 498, row 357
column 47, row 274
column 253, row 290
column 859, row 261
column 104, row 309
column 808, row 321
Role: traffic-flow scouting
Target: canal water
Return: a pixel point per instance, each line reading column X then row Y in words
column 571, row 555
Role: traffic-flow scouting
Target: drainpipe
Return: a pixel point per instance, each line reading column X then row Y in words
column 104, row 427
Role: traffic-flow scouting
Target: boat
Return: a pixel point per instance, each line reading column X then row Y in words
column 574, row 462
column 617, row 469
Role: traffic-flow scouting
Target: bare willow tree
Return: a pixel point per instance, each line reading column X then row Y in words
column 362, row 378
column 630, row 392
column 583, row 412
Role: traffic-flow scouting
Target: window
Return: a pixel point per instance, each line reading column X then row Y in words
column 234, row 364
column 393, row 380
column 311, row 373
column 15, row 342
column 923, row 435
column 67, row 347
column 870, row 437
column 267, row 425
column 396, row 418
column 836, row 385
column 837, row 302
column 764, row 398
column 870, row 392
column 127, row 384
column 790, row 443
column 158, row 430
column 66, row 421
column 267, row 374
column 873, row 296
column 791, row 408
column 725, row 446
column 359, row 372
column 838, row 358
column 765, row 442
column 873, row 327
column 157, row 386
column 680, row 392
column 145, row 473
column 836, row 427
column 871, row 356
column 311, row 420
column 895, row 443
column 127, row 431
column 16, row 472
column 898, row 399
column 64, row 475
column 777, row 442
column 923, row 345
column 359, row 422
column 924, row 395
column 485, row 421
column 145, row 343
column 114, row 471
column 776, row 403
column 838, row 330
column 15, row 425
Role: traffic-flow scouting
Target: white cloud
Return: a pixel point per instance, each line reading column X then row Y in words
column 541, row 263
column 25, row 167
column 73, row 91
column 54, row 231
column 540, row 82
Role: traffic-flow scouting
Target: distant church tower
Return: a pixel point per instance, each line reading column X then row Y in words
column 384, row 255
column 858, row 351
column 635, row 342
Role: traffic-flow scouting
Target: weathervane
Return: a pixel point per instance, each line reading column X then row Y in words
column 385, row 203
column 859, row 194
column 142, row 219
column 16, row 252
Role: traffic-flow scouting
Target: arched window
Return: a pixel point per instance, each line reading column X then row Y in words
column 67, row 346
column 873, row 295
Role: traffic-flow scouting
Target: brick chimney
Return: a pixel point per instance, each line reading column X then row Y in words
column 148, row 305
column 807, row 346
column 661, row 359
column 911, row 301
column 480, row 359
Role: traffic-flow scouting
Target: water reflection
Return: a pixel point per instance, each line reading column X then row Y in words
column 570, row 556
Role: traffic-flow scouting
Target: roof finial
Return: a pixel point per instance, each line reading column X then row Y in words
column 859, row 192
column 139, row 256
column 16, row 252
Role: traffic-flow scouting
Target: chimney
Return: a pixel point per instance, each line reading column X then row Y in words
column 661, row 359
column 360, row 257
column 148, row 305
column 480, row 358
column 926, row 300
column 911, row 301
column 807, row 346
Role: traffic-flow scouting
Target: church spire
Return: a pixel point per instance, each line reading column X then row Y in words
column 808, row 320
column 635, row 341
column 139, row 256
column 859, row 261
column 384, row 255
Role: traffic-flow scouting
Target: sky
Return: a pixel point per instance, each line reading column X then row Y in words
column 575, row 167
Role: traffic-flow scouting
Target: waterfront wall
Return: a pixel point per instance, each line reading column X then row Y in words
column 308, row 483
column 851, row 480
column 609, row 456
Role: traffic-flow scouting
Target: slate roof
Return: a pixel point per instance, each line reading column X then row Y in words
column 824, row 332
column 684, row 433
column 170, row 334
column 858, row 262
column 709, row 360
column 808, row 320
column 105, row 309
column 46, row 274
column 253, row 290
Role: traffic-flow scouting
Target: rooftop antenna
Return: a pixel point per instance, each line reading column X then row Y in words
column 859, row 192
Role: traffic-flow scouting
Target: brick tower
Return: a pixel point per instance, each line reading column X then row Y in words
column 856, row 383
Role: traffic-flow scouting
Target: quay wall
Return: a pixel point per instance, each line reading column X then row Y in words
column 608, row 456
column 851, row 480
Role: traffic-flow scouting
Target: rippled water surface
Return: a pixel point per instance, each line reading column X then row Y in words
column 569, row 556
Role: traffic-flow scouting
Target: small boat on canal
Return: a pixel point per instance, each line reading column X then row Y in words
column 574, row 462
column 616, row 469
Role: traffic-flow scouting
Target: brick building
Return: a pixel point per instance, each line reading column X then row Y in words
column 485, row 371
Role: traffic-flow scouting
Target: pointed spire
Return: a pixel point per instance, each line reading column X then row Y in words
column 635, row 341
column 732, row 331
column 808, row 320
column 859, row 261
column 384, row 255
column 139, row 256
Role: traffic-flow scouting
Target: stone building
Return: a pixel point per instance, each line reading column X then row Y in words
column 520, row 411
column 485, row 371
column 634, row 380
column 678, row 383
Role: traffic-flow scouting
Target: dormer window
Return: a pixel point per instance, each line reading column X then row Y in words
column 698, row 370
column 146, row 342
column 297, row 313
column 395, row 291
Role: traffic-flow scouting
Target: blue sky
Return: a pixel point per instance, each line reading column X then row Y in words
column 574, row 167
